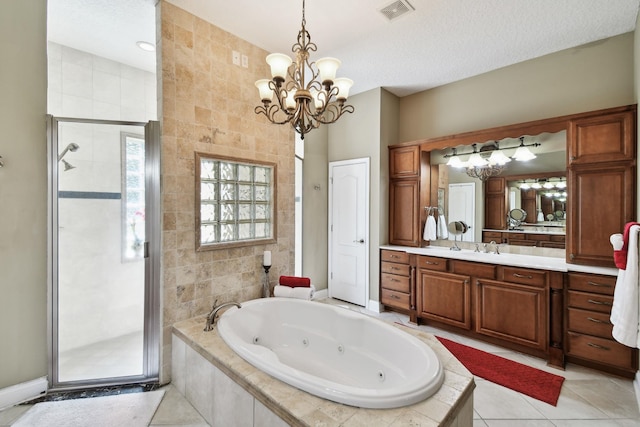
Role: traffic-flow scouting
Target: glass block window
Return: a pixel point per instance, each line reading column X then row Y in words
column 133, row 197
column 237, row 202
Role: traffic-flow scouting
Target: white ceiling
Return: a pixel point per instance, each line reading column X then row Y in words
column 442, row 41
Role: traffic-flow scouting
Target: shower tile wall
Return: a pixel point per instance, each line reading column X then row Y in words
column 86, row 86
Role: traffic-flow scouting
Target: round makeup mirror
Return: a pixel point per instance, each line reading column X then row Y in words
column 516, row 217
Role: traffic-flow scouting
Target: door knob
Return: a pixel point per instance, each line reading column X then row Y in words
column 359, row 241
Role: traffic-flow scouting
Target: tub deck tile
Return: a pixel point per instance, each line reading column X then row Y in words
column 299, row 408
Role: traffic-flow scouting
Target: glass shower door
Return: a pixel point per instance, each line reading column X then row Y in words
column 100, row 310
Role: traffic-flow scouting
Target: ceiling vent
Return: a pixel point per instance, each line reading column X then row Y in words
column 396, row 9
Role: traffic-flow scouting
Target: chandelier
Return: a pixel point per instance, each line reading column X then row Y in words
column 483, row 166
column 306, row 104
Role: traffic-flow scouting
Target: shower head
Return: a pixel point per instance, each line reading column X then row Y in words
column 67, row 165
column 71, row 147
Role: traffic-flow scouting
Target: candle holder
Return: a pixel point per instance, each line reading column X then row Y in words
column 266, row 292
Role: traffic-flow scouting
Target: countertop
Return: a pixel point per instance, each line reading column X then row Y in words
column 515, row 260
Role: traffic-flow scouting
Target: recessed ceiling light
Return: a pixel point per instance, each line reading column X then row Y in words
column 149, row 47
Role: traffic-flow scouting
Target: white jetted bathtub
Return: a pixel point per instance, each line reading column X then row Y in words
column 332, row 352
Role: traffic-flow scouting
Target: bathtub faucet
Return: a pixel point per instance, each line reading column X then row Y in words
column 213, row 315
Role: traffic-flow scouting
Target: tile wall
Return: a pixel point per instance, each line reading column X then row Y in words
column 207, row 106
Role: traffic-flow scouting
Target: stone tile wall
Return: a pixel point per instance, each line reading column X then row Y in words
column 207, row 105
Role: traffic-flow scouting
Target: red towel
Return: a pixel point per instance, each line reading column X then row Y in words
column 620, row 257
column 295, row 282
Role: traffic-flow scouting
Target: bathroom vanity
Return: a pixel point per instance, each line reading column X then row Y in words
column 537, row 305
column 554, row 306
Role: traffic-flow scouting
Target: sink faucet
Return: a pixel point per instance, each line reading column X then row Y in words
column 213, row 315
column 487, row 248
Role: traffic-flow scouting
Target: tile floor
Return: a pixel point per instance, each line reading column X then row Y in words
column 588, row 399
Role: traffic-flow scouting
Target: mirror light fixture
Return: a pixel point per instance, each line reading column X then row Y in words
column 481, row 165
column 523, row 154
column 304, row 103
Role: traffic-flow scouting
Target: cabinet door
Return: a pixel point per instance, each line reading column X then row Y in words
column 495, row 203
column 602, row 138
column 601, row 202
column 512, row 312
column 445, row 297
column 404, row 162
column 404, row 219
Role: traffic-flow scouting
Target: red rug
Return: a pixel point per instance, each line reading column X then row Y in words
column 533, row 382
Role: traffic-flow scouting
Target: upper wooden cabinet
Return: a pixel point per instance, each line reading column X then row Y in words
column 602, row 138
column 602, row 201
column 601, row 184
column 404, row 162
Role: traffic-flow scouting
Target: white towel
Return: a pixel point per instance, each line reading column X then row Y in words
column 443, row 233
column 289, row 292
column 624, row 313
column 430, row 228
column 617, row 241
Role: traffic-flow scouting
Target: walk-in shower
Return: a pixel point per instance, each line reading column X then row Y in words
column 71, row 147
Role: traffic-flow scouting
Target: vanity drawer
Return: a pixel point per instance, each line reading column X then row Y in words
column 395, row 268
column 524, row 276
column 592, row 283
column 589, row 301
column 589, row 322
column 394, row 256
column 600, row 349
column 484, row 271
column 395, row 299
column 558, row 238
column 516, row 236
column 395, row 282
column 432, row 263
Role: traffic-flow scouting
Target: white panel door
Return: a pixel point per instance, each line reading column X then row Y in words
column 462, row 207
column 349, row 230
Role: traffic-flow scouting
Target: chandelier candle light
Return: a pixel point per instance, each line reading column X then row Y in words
column 304, row 104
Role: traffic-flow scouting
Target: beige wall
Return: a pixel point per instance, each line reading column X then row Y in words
column 315, row 190
column 207, row 106
column 590, row 77
column 366, row 133
column 23, row 191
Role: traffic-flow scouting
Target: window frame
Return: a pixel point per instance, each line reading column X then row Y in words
column 272, row 212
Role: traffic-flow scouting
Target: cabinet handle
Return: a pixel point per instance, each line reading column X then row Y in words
column 605, row 285
column 395, row 268
column 598, row 321
column 591, row 301
column 394, row 256
column 599, row 347
column 431, row 263
column 394, row 296
column 572, row 256
column 522, row 276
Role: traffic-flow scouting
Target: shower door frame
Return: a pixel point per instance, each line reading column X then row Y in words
column 152, row 255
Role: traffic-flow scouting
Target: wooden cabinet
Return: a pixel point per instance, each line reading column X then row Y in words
column 495, row 203
column 588, row 329
column 396, row 278
column 404, row 212
column 601, row 202
column 601, row 183
column 602, row 138
column 445, row 297
column 404, row 196
column 514, row 308
column 404, row 162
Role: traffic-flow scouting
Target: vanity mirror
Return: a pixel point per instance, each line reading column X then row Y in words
column 512, row 187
